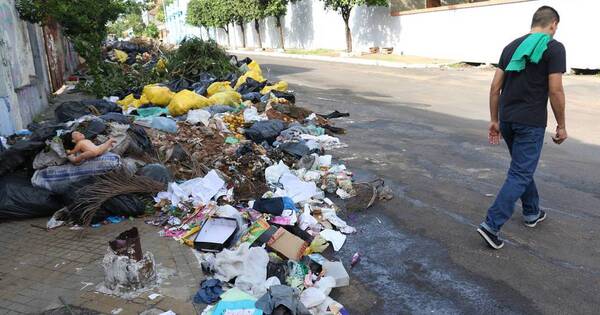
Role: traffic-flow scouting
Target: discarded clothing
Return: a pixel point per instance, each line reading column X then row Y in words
column 274, row 206
column 282, row 295
column 209, row 292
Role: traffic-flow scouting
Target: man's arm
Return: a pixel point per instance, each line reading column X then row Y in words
column 495, row 89
column 557, row 100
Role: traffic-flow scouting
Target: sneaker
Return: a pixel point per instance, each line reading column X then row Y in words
column 541, row 218
column 492, row 240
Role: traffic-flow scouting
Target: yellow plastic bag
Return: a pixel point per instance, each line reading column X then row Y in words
column 218, row 87
column 186, row 100
column 254, row 66
column 157, row 95
column 250, row 74
column 121, row 55
column 230, row 98
column 279, row 86
column 318, row 245
column 126, row 101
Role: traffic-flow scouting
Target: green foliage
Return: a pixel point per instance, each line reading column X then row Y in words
column 276, row 8
column 151, row 31
column 118, row 79
column 160, row 13
column 345, row 6
column 83, row 21
column 211, row 13
column 195, row 56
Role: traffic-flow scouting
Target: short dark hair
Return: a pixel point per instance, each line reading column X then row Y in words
column 544, row 16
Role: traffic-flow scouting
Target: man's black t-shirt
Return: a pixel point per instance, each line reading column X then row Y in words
column 524, row 97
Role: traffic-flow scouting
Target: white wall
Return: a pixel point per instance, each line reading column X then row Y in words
column 475, row 34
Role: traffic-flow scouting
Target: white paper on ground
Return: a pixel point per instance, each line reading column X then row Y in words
column 297, row 189
column 336, row 238
column 169, row 312
column 201, row 189
column 325, row 160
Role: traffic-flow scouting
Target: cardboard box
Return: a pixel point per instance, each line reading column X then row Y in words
column 287, row 244
column 215, row 234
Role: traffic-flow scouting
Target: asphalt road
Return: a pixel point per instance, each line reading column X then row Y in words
column 424, row 132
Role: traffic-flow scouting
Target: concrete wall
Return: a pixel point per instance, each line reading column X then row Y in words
column 24, row 70
column 475, row 34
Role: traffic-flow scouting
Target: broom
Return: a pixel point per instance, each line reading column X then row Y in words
column 90, row 198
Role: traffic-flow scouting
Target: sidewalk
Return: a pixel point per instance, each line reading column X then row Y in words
column 368, row 60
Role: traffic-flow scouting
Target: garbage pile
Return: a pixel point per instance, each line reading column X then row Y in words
column 228, row 166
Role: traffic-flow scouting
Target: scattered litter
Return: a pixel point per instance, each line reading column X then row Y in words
column 153, row 296
column 355, row 259
column 116, row 311
column 336, row 238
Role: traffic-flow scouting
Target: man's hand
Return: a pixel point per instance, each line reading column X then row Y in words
column 494, row 133
column 561, row 135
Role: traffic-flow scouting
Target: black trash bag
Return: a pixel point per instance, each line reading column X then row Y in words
column 128, row 205
column 157, row 172
column 254, row 97
column 233, row 60
column 116, row 117
column 203, row 81
column 68, row 111
column 251, row 85
column 177, row 85
column 296, row 149
column 20, row 200
column 288, row 96
column 44, row 131
column 92, row 128
column 141, row 142
column 245, row 61
column 232, row 77
column 265, row 130
column 123, row 205
column 20, row 153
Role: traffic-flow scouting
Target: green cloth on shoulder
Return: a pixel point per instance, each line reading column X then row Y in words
column 531, row 49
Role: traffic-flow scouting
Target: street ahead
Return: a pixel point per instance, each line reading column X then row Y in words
column 424, row 132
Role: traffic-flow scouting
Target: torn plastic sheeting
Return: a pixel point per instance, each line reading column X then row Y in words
column 330, row 215
column 56, row 155
column 306, row 220
column 297, row 189
column 251, row 115
column 200, row 189
column 336, row 238
column 198, row 115
column 327, row 142
column 274, row 172
column 247, row 265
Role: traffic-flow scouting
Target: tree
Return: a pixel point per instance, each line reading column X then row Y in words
column 278, row 9
column 257, row 12
column 344, row 7
column 243, row 12
column 211, row 13
column 82, row 21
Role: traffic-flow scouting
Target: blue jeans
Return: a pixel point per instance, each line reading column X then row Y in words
column 525, row 146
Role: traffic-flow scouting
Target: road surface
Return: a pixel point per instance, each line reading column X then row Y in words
column 424, row 132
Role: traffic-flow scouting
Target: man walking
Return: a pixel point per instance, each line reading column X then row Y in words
column 529, row 72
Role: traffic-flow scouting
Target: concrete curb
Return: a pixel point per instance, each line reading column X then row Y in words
column 365, row 62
